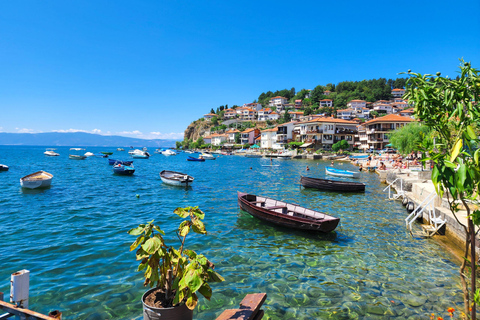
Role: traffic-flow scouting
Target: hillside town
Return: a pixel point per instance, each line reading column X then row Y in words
column 364, row 125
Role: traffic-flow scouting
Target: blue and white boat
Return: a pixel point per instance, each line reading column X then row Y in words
column 195, row 159
column 113, row 161
column 341, row 173
column 122, row 169
column 359, row 157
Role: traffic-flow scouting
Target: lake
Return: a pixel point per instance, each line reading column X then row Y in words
column 73, row 239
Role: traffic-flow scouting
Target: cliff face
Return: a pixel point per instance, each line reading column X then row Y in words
column 196, row 129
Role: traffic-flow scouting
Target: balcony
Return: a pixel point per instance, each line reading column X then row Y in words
column 370, row 131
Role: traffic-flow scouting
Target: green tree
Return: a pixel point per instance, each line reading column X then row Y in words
column 450, row 108
column 212, row 111
column 215, row 121
column 178, row 144
column 237, row 137
column 287, row 117
column 374, row 114
column 340, row 145
column 409, row 137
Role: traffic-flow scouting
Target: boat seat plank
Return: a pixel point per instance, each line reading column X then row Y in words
column 257, row 202
column 276, row 207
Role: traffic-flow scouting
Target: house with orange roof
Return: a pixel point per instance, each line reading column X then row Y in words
column 246, row 113
column 207, row 139
column 263, row 114
column 398, row 93
column 284, row 134
column 268, row 137
column 295, row 115
column 249, row 136
column 209, row 116
column 231, row 135
column 218, row 139
column 326, row 103
column 254, row 105
column 278, row 102
column 408, row 113
column 229, row 113
column 346, row 114
column 273, row 116
column 383, row 108
column 326, row 131
column 373, row 134
column 357, row 104
column 326, row 92
column 298, row 104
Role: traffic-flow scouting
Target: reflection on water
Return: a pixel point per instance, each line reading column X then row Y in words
column 72, row 237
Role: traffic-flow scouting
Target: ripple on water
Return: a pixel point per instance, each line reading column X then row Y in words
column 72, row 237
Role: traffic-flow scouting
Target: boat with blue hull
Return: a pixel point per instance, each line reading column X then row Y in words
column 195, row 159
column 123, row 170
column 341, row 173
column 113, row 161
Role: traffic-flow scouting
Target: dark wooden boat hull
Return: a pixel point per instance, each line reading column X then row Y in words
column 332, row 185
column 324, row 223
column 123, row 171
column 113, row 161
column 3, row 167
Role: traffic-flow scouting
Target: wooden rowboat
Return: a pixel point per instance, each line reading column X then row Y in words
column 286, row 214
column 76, row 157
column 332, row 185
column 341, row 173
column 39, row 179
column 176, row 178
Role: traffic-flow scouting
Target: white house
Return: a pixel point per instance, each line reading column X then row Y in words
column 284, row 134
column 263, row 114
column 255, row 106
column 273, row 116
column 326, row 103
column 217, row 139
column 398, row 93
column 246, row 113
column 383, row 108
column 229, row 113
column 346, row 114
column 357, row 104
column 278, row 102
column 268, row 138
column 209, row 116
column 231, row 135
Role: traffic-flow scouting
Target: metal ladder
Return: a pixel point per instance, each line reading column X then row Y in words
column 435, row 222
column 400, row 193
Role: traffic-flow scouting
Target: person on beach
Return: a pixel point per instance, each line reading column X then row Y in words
column 382, row 166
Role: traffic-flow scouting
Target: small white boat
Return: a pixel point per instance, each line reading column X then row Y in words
column 176, row 178
column 77, row 149
column 89, row 154
column 120, row 149
column 341, row 173
column 40, row 179
column 144, row 149
column 50, row 152
column 208, row 156
column 136, row 151
column 169, row 152
column 143, row 155
column 3, row 167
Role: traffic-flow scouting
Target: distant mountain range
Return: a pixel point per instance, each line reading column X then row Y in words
column 80, row 139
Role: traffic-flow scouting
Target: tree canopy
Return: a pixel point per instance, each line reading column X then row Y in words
column 409, row 137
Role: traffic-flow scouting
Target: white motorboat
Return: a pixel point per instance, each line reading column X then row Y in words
column 136, row 151
column 208, row 156
column 169, row 152
column 120, row 149
column 77, row 149
column 39, row 179
column 50, row 152
column 89, row 154
column 176, row 178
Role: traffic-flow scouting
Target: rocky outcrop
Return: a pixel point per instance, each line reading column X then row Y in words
column 196, row 129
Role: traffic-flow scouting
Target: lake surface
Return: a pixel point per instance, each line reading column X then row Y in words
column 73, row 239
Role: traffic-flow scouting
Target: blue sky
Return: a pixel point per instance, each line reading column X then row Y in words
column 149, row 68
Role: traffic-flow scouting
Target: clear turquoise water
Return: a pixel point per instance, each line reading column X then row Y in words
column 72, row 237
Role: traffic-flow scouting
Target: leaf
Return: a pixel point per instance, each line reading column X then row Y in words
column 198, row 213
column 475, row 156
column 184, row 228
column 462, row 175
column 190, row 253
column 182, row 212
column 191, row 301
column 193, row 280
column 137, row 242
column 158, row 229
column 152, row 245
column 215, row 277
column 475, row 216
column 142, row 266
column 450, row 164
column 471, row 133
column 199, row 227
column 206, row 291
column 456, row 150
column 136, row 231
column 140, row 254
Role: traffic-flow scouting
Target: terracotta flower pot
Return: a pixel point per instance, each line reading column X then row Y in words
column 180, row 312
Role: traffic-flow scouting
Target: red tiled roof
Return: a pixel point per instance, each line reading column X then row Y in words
column 398, row 90
column 210, row 114
column 356, row 101
column 278, row 97
column 330, row 119
column 390, row 118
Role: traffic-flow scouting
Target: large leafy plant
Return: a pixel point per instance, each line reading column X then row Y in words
column 179, row 273
column 450, row 107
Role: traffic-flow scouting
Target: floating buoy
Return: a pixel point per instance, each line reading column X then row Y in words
column 405, row 201
column 137, row 195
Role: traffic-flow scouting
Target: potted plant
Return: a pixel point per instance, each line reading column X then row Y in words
column 176, row 275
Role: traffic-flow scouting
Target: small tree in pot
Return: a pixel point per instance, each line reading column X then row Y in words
column 176, row 273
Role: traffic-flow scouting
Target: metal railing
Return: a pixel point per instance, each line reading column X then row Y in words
column 397, row 195
column 426, row 204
